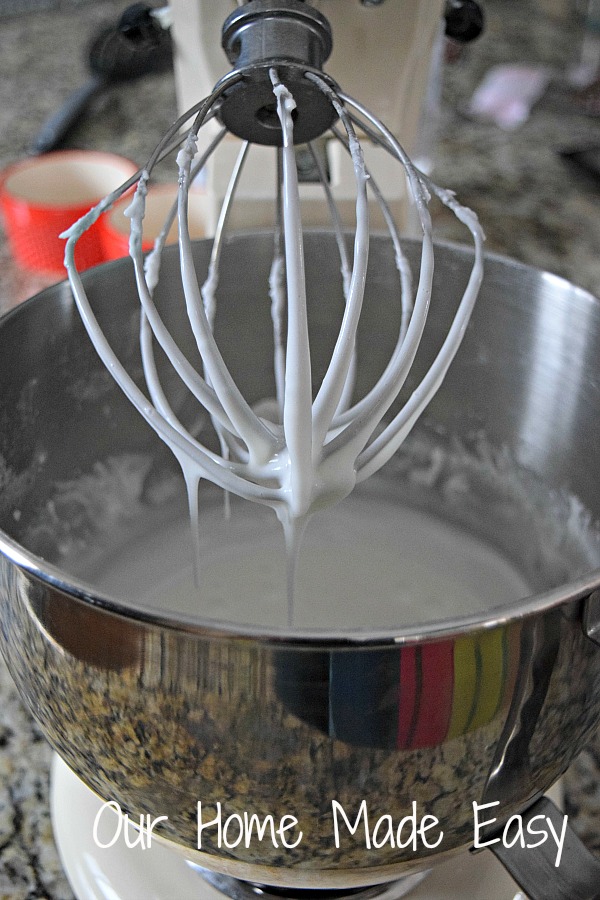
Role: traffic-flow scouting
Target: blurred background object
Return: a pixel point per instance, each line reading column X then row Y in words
column 42, row 197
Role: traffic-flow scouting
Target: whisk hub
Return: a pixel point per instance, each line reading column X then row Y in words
column 249, row 110
column 294, row 37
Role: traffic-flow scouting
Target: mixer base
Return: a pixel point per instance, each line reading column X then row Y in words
column 129, row 873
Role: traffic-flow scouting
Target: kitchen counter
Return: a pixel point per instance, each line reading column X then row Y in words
column 532, row 204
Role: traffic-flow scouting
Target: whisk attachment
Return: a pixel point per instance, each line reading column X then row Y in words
column 300, row 450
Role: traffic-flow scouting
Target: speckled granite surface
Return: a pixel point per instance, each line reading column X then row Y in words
column 532, row 205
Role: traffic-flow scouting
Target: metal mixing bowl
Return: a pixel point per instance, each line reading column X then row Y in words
column 158, row 712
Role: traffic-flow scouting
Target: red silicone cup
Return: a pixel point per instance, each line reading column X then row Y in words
column 42, row 196
column 115, row 226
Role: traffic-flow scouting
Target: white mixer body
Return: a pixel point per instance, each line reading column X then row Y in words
column 386, row 56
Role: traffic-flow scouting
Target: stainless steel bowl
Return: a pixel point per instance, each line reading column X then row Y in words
column 158, row 712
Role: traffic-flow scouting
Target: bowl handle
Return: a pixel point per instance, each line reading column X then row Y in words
column 535, row 869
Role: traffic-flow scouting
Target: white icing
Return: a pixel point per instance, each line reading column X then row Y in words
column 116, row 517
column 365, row 564
column 278, row 304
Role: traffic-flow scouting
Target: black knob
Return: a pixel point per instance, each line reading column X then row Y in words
column 464, row 20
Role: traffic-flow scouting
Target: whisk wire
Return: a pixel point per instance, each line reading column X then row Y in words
column 402, row 265
column 259, row 440
column 348, row 389
column 297, row 404
column 330, row 392
column 277, row 291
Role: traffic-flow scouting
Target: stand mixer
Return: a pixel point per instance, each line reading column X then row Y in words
column 153, row 706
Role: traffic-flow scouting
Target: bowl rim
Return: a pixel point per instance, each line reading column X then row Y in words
column 578, row 589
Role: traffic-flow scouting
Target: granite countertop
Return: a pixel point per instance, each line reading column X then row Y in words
column 532, row 204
